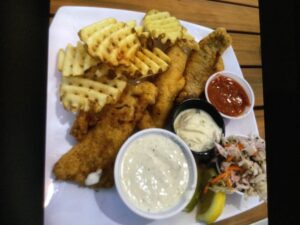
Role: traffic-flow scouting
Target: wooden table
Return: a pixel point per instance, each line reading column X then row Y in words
column 240, row 18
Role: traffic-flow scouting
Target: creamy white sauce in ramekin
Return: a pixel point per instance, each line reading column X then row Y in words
column 198, row 129
column 154, row 173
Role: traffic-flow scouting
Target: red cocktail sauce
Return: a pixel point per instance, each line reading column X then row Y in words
column 228, row 96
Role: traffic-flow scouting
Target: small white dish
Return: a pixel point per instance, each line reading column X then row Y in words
column 244, row 84
column 191, row 183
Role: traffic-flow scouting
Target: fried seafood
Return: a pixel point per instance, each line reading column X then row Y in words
column 99, row 147
column 169, row 84
column 203, row 63
column 146, row 121
column 83, row 123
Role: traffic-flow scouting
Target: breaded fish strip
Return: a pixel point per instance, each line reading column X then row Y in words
column 169, row 84
column 146, row 121
column 83, row 122
column 99, row 147
column 203, row 63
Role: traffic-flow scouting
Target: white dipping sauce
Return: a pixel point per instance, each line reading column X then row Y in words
column 93, row 178
column 154, row 173
column 198, row 129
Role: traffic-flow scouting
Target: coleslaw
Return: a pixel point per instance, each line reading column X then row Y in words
column 242, row 166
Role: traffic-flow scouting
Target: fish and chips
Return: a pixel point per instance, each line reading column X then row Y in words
column 98, row 149
column 122, row 77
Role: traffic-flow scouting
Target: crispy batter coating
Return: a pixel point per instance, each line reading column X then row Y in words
column 219, row 65
column 146, row 121
column 169, row 84
column 83, row 122
column 99, row 147
column 203, row 63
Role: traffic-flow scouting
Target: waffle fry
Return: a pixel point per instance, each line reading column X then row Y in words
column 145, row 63
column 167, row 28
column 161, row 55
column 153, row 61
column 98, row 72
column 141, row 32
column 115, row 83
column 74, row 61
column 163, row 26
column 88, row 31
column 75, row 99
column 112, row 42
column 144, row 36
column 131, row 23
column 188, row 41
column 78, row 93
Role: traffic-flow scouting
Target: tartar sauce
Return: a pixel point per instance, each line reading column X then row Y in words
column 93, row 178
column 198, row 129
column 154, row 173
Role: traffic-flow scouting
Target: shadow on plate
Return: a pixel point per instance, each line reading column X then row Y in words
column 113, row 207
column 63, row 115
column 226, row 121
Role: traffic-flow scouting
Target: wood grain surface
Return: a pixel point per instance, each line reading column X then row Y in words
column 259, row 114
column 254, row 78
column 208, row 13
column 247, row 48
column 250, row 216
column 240, row 18
column 253, row 3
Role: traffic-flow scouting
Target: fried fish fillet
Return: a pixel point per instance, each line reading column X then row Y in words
column 203, row 63
column 83, row 122
column 169, row 84
column 99, row 147
column 219, row 65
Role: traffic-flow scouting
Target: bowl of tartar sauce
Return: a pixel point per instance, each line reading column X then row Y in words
column 155, row 173
column 199, row 125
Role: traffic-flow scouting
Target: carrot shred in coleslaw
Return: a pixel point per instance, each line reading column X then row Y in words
column 223, row 176
column 242, row 163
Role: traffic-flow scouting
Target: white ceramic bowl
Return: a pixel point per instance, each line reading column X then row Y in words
column 191, row 185
column 245, row 85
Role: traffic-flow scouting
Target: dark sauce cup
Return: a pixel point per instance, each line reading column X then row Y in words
column 203, row 156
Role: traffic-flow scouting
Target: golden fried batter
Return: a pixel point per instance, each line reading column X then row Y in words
column 219, row 65
column 100, row 145
column 203, row 63
column 83, row 122
column 146, row 121
column 169, row 84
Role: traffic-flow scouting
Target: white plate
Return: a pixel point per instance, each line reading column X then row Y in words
column 67, row 203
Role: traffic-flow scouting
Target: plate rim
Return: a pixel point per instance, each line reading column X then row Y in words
column 64, row 10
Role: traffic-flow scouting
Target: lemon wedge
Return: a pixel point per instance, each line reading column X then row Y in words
column 211, row 204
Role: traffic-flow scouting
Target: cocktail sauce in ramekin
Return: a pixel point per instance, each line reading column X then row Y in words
column 228, row 96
